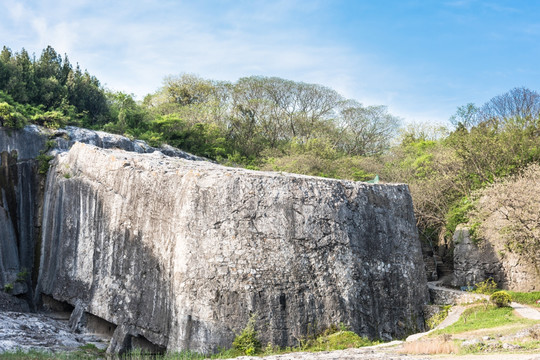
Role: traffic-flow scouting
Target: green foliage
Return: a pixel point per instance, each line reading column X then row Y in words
column 22, row 275
column 480, row 317
column 50, row 89
column 11, row 118
column 529, row 298
column 501, row 298
column 488, row 287
column 50, row 119
column 458, row 214
column 44, row 162
column 8, row 287
column 247, row 342
column 438, row 318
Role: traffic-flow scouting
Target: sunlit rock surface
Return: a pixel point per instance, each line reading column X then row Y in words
column 182, row 253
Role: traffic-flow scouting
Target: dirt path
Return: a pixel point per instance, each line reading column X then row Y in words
column 453, row 316
column 526, row 311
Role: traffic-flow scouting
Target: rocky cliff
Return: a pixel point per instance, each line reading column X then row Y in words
column 19, row 206
column 179, row 254
column 489, row 258
column 23, row 163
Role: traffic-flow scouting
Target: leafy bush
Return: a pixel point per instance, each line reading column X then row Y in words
column 51, row 119
column 11, row 118
column 247, row 341
column 487, row 287
column 458, row 214
column 22, row 275
column 501, row 298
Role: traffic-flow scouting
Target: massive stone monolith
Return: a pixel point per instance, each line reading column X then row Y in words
column 181, row 253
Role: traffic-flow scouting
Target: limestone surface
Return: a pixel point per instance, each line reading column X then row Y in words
column 22, row 153
column 182, row 253
column 476, row 262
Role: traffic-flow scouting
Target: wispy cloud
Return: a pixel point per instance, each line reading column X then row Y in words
column 421, row 59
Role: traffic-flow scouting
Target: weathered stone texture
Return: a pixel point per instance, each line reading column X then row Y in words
column 476, row 262
column 182, row 252
column 19, row 212
column 21, row 191
column 446, row 296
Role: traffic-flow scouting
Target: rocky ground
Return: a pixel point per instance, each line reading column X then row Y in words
column 50, row 332
column 31, row 331
column 47, row 332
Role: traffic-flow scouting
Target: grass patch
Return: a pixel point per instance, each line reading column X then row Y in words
column 527, row 298
column 339, row 341
column 483, row 317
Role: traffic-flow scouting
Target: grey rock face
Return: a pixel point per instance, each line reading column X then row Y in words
column 70, row 135
column 19, row 213
column 181, row 253
column 474, row 263
column 21, row 190
column 27, row 142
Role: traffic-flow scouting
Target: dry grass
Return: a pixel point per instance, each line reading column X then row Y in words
column 440, row 345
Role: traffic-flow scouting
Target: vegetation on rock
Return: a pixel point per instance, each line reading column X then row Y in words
column 247, row 341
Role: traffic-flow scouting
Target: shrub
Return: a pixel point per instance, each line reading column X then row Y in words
column 8, row 287
column 488, row 287
column 22, row 275
column 501, row 298
column 10, row 118
column 247, row 341
column 458, row 214
column 43, row 161
column 51, row 119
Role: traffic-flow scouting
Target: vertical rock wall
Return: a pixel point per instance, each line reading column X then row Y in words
column 181, row 253
column 476, row 262
column 19, row 206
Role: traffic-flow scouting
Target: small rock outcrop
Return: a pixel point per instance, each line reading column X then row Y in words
column 488, row 258
column 505, row 242
column 180, row 254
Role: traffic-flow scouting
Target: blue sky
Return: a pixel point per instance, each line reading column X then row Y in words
column 422, row 59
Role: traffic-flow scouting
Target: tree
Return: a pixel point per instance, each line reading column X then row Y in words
column 517, row 107
column 517, row 201
column 366, row 130
column 466, row 116
column 125, row 114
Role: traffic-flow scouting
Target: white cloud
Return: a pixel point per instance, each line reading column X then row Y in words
column 131, row 46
